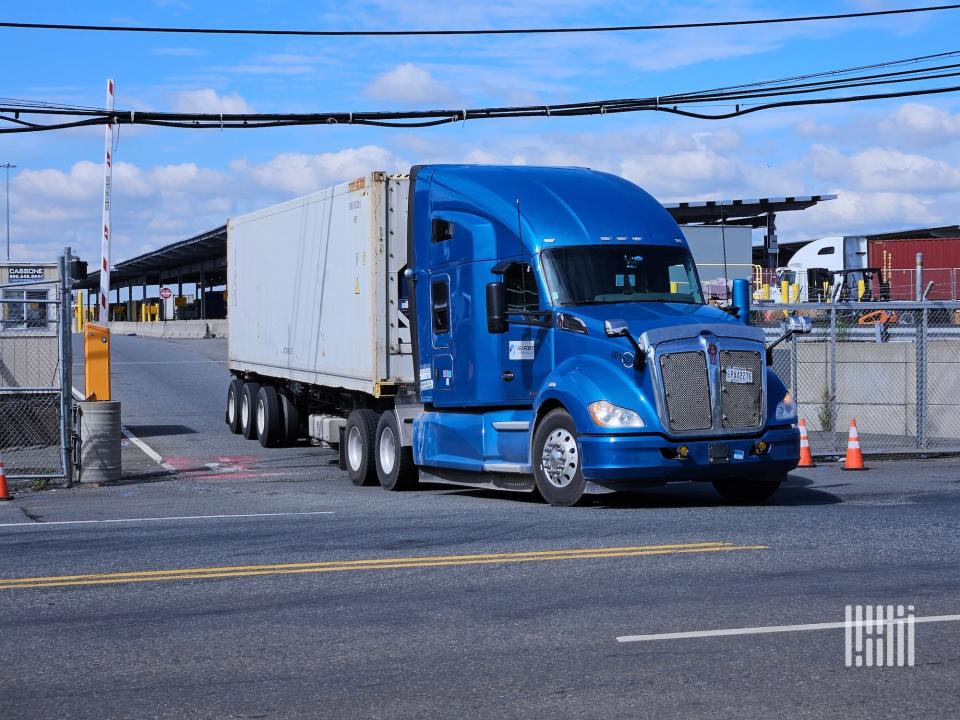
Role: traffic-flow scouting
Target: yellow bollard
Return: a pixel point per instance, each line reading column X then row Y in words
column 861, row 289
column 795, row 292
column 784, row 291
column 96, row 362
column 79, row 312
column 765, row 291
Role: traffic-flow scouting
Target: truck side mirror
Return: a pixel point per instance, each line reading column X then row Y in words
column 795, row 325
column 615, row 328
column 619, row 328
column 799, row 324
column 496, row 308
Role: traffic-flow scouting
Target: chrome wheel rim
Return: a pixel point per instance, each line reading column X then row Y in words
column 354, row 448
column 261, row 415
column 244, row 411
column 231, row 407
column 388, row 450
column 560, row 458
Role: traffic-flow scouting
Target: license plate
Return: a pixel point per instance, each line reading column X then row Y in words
column 718, row 452
column 741, row 376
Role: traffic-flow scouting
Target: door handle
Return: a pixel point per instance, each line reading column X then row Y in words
column 507, row 375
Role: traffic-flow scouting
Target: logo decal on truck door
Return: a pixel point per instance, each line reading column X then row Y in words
column 522, row 350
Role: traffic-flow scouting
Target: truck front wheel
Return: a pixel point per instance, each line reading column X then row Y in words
column 359, row 435
column 557, row 469
column 746, row 492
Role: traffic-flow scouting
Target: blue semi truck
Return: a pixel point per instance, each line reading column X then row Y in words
column 526, row 328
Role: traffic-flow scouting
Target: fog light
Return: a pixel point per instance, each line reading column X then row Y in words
column 762, row 447
column 683, row 451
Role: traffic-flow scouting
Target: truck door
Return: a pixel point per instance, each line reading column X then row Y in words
column 525, row 351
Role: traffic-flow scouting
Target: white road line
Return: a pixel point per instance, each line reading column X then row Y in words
column 160, row 519
column 147, row 450
column 771, row 629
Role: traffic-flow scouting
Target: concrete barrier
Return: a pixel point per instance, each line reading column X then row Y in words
column 185, row 329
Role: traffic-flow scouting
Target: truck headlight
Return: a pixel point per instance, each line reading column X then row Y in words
column 606, row 414
column 786, row 408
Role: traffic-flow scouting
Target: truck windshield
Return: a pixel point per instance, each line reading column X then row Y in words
column 616, row 273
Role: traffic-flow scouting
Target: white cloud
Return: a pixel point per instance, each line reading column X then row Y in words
column 914, row 121
column 208, row 101
column 300, row 173
column 885, row 169
column 410, row 84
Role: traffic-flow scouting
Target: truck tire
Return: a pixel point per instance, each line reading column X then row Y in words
column 746, row 492
column 290, row 417
column 232, row 415
column 395, row 468
column 248, row 410
column 359, row 435
column 269, row 422
column 556, row 460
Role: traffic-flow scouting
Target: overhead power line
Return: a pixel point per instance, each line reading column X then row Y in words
column 23, row 116
column 477, row 31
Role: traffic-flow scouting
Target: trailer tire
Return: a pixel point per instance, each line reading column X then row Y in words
column 232, row 415
column 360, row 435
column 395, row 468
column 555, row 454
column 269, row 422
column 290, row 416
column 747, row 492
column 248, row 410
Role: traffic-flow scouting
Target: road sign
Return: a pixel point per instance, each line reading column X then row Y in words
column 166, row 293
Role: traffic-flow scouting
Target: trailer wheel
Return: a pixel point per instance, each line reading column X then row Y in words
column 557, row 469
column 359, row 435
column 746, row 492
column 232, row 416
column 290, row 417
column 395, row 468
column 269, row 422
column 248, row 405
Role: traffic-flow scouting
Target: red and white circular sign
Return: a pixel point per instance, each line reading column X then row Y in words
column 166, row 293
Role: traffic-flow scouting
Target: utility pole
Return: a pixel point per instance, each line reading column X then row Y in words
column 7, row 166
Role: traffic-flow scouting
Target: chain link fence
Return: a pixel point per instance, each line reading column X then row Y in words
column 35, row 392
column 894, row 367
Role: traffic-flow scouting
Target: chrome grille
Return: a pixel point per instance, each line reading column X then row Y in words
column 740, row 402
column 686, row 390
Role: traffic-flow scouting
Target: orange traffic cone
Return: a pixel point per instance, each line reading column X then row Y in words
column 854, row 459
column 4, row 492
column 806, row 457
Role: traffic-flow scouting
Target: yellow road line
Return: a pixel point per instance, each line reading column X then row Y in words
column 375, row 564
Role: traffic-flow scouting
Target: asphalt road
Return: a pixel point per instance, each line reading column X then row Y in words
column 274, row 612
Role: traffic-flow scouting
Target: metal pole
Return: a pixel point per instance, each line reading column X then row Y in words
column 103, row 306
column 7, row 167
column 833, row 375
column 921, row 363
column 66, row 367
column 919, row 277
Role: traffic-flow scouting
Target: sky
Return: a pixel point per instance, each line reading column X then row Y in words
column 895, row 164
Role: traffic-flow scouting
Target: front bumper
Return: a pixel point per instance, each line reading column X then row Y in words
column 619, row 460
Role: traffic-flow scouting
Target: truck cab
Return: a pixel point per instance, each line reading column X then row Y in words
column 562, row 343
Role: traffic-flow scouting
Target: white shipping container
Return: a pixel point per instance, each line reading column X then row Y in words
column 313, row 288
